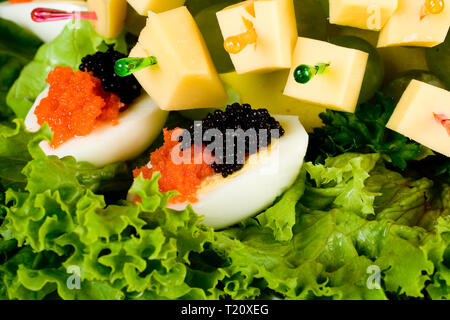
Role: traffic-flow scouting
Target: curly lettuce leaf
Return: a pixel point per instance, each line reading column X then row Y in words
column 17, row 48
column 18, row 147
column 14, row 154
column 341, row 220
column 77, row 40
column 334, row 244
column 439, row 288
column 280, row 217
column 307, row 267
column 339, row 183
column 123, row 251
column 403, row 199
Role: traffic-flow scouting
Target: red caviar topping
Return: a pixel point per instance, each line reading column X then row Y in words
column 19, row 1
column 76, row 104
column 182, row 177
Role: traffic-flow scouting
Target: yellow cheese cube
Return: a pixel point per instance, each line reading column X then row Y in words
column 415, row 118
column 363, row 14
column 339, row 86
column 144, row 6
column 406, row 28
column 111, row 16
column 184, row 77
column 276, row 31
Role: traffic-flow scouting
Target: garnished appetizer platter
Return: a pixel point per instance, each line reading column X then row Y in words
column 224, row 149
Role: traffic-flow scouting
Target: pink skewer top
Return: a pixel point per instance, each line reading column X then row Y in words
column 444, row 120
column 47, row 14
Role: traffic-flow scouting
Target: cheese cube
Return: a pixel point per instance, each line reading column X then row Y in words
column 144, row 6
column 276, row 31
column 405, row 28
column 415, row 116
column 111, row 16
column 184, row 77
column 339, row 86
column 363, row 14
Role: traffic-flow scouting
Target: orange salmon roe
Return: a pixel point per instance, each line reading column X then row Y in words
column 76, row 104
column 183, row 177
column 19, row 1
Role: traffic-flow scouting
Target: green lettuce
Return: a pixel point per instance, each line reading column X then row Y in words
column 280, row 217
column 15, row 145
column 17, row 48
column 77, row 40
column 57, row 222
column 335, row 244
column 53, row 221
column 340, row 183
column 322, row 239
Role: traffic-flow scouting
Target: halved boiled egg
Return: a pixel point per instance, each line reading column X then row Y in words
column 137, row 127
column 20, row 13
column 265, row 175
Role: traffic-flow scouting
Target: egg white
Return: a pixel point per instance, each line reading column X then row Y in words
column 266, row 175
column 20, row 13
column 138, row 127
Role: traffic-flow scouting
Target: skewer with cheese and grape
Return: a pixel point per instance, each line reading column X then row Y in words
column 173, row 64
column 423, row 114
column 259, row 35
column 326, row 74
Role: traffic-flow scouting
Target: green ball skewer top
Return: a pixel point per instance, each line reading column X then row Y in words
column 126, row 66
column 303, row 73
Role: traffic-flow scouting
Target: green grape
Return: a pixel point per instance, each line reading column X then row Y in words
column 209, row 27
column 438, row 60
column 398, row 84
column 374, row 75
column 311, row 19
column 401, row 59
column 195, row 6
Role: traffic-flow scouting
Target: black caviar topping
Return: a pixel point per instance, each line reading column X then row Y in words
column 236, row 116
column 101, row 64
